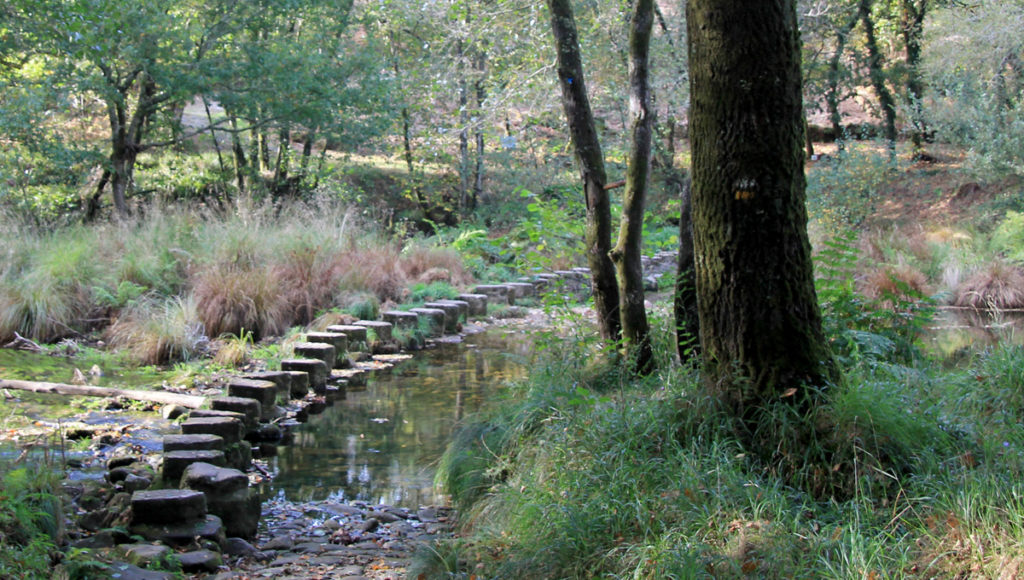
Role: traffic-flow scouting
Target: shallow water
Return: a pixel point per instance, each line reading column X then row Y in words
column 381, row 445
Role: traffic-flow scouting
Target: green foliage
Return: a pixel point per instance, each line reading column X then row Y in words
column 420, row 292
column 860, row 329
column 30, row 519
column 1008, row 237
column 976, row 82
column 842, row 192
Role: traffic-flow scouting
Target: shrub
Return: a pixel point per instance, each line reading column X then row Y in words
column 159, row 331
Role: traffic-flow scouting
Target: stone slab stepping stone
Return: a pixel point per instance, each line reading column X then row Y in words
column 401, row 319
column 354, row 378
column 165, row 506
column 230, row 429
column 143, row 554
column 381, row 330
column 318, row 350
column 200, row 442
column 175, row 462
column 521, row 289
column 355, row 333
column 227, row 496
column 250, row 408
column 477, row 303
column 207, row 413
column 126, row 571
column 299, row 383
column 462, row 305
column 263, row 391
column 498, row 293
column 436, row 320
column 316, row 370
column 213, row 479
column 183, row 533
column 338, row 340
column 452, row 314
column 200, row 561
column 282, row 379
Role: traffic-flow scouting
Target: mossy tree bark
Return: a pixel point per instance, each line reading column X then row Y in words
column 590, row 159
column 687, row 317
column 760, row 325
column 626, row 255
column 876, row 73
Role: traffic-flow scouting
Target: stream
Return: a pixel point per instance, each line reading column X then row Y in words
column 381, row 445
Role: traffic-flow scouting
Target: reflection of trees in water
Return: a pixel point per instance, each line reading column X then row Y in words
column 345, row 454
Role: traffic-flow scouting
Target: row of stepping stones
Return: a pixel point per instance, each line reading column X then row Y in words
column 205, row 503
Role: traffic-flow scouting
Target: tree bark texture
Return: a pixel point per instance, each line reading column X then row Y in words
column 684, row 302
column 626, row 255
column 832, row 95
column 760, row 325
column 590, row 159
column 912, row 28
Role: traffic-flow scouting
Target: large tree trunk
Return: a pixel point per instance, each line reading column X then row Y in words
column 590, row 159
column 626, row 255
column 760, row 326
column 877, row 76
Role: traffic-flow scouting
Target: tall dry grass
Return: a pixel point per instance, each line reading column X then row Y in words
column 259, row 268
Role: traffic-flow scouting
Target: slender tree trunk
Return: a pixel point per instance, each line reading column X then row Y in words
column 481, row 96
column 832, row 93
column 877, row 75
column 213, row 135
column 239, row 156
column 464, row 129
column 760, row 326
column 626, row 255
column 684, row 302
column 590, row 159
column 913, row 31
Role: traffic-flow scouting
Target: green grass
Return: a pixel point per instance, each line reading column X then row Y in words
column 588, row 474
column 31, row 517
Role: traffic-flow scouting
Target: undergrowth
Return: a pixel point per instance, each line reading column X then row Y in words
column 587, row 473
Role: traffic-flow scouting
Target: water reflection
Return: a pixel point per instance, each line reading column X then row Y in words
column 957, row 331
column 381, row 445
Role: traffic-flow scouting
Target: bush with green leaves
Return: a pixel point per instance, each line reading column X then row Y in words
column 842, row 191
column 31, row 519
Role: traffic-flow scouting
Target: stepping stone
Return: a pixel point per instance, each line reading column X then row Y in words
column 499, row 293
column 175, row 462
column 452, row 314
column 477, row 303
column 462, row 305
column 354, row 378
column 316, row 370
column 318, row 350
column 401, row 319
column 193, row 443
column 213, row 479
column 299, row 385
column 521, row 289
column 338, row 340
column 381, row 330
column 250, row 408
column 143, row 554
column 183, row 533
column 230, row 429
column 435, row 318
column 227, row 496
column 200, row 561
column 210, row 413
column 263, row 391
column 282, row 379
column 165, row 506
column 356, row 334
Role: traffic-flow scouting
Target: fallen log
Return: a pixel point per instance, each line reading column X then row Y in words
column 162, row 397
